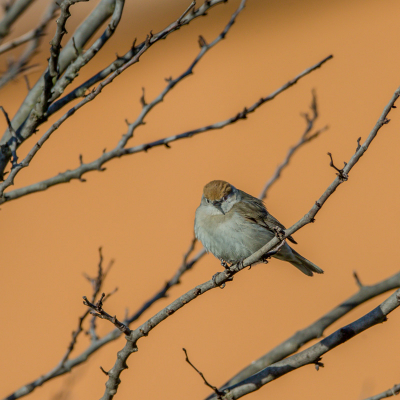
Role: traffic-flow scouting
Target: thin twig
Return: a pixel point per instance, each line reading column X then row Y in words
column 100, row 313
column 305, row 138
column 214, row 388
column 358, row 281
column 340, row 172
column 189, row 251
column 97, row 283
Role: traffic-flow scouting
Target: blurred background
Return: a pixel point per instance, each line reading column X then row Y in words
column 141, row 210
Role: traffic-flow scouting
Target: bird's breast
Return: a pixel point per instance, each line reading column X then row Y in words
column 229, row 237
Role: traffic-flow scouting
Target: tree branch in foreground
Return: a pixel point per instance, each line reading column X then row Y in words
column 313, row 354
column 226, row 276
column 394, row 391
column 316, row 329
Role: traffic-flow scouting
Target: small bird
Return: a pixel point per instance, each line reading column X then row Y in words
column 232, row 225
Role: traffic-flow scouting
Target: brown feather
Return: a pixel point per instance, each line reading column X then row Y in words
column 254, row 210
column 216, row 190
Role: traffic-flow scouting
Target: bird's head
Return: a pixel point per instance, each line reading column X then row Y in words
column 220, row 195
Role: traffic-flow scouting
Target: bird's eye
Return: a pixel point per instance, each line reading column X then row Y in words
column 207, row 200
column 225, row 197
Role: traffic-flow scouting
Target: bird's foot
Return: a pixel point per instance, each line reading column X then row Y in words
column 215, row 282
column 271, row 253
column 223, row 284
column 264, row 259
column 240, row 264
column 224, row 264
column 279, row 232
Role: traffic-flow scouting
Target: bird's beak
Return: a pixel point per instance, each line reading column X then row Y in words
column 217, row 205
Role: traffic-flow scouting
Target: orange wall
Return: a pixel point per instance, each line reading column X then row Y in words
column 141, row 209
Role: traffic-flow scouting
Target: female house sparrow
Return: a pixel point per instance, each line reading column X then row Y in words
column 232, row 225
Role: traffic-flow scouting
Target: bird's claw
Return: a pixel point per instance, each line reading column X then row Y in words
column 279, row 232
column 215, row 282
column 264, row 260
column 224, row 264
column 271, row 253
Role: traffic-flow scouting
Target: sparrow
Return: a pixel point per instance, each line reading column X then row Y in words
column 232, row 225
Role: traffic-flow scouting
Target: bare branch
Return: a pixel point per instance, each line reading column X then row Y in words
column 313, row 354
column 96, row 285
column 97, row 343
column 394, row 391
column 226, row 276
column 99, row 312
column 63, row 366
column 14, row 141
column 120, row 151
column 83, row 58
column 341, row 174
column 35, row 37
column 189, row 15
column 81, row 36
column 217, row 392
column 358, row 281
column 26, row 127
column 305, row 138
column 34, row 33
column 13, row 12
column 316, row 329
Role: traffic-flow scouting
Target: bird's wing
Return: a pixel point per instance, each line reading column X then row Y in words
column 254, row 210
column 272, row 221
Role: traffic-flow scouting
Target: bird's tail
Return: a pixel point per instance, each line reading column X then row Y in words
column 304, row 265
